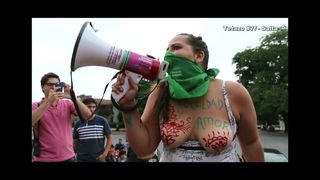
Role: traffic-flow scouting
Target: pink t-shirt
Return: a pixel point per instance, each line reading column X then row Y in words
column 56, row 143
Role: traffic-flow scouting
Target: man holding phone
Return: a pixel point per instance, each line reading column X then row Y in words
column 52, row 122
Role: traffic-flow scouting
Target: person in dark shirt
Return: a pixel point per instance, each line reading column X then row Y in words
column 89, row 136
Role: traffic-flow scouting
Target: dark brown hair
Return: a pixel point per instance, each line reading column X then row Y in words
column 89, row 100
column 198, row 45
column 47, row 76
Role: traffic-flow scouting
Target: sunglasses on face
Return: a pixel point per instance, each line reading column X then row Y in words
column 51, row 84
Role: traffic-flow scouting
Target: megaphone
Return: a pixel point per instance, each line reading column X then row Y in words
column 90, row 50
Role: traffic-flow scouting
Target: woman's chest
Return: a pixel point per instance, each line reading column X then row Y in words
column 205, row 121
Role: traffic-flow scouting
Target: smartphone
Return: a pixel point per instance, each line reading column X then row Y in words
column 60, row 87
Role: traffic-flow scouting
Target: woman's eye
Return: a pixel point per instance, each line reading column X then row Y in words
column 175, row 47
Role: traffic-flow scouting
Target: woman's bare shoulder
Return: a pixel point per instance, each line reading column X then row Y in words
column 237, row 93
column 235, row 87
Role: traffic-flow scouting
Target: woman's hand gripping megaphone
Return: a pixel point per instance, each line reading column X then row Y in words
column 125, row 88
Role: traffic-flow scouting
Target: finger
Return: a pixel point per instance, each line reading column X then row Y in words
column 116, row 91
column 51, row 92
column 61, row 95
column 117, row 88
column 118, row 77
column 132, row 84
column 113, row 89
column 122, row 77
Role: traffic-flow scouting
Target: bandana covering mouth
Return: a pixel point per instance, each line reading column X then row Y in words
column 186, row 78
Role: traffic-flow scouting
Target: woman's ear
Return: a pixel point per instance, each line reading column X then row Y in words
column 200, row 57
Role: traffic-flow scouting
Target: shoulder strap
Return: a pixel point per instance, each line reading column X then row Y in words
column 231, row 118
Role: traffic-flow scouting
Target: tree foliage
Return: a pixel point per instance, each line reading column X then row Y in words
column 263, row 70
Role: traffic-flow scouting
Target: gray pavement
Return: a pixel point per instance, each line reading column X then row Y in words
column 276, row 140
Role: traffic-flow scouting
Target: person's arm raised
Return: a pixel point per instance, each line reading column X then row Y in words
column 84, row 110
column 140, row 138
column 38, row 113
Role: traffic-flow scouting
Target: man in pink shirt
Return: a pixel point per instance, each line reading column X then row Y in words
column 52, row 122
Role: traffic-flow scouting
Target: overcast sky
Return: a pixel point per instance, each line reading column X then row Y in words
column 53, row 41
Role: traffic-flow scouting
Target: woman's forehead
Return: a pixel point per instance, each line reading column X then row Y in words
column 179, row 39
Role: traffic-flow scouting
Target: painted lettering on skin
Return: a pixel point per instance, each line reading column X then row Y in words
column 218, row 141
column 206, row 104
column 202, row 122
column 173, row 126
column 215, row 104
column 129, row 120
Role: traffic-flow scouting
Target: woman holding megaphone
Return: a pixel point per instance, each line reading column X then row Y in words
column 195, row 115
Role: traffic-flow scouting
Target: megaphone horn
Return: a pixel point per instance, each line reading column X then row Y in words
column 90, row 50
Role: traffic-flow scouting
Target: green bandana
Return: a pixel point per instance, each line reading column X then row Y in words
column 186, row 78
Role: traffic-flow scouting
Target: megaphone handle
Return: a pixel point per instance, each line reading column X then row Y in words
column 126, row 86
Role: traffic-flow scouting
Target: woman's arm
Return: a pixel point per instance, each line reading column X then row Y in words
column 143, row 133
column 247, row 123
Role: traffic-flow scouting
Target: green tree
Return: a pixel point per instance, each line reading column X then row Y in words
column 264, row 72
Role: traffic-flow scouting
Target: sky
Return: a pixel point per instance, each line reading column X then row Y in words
column 53, row 41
